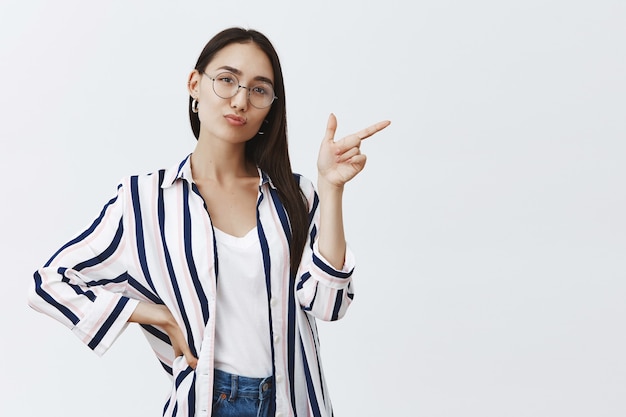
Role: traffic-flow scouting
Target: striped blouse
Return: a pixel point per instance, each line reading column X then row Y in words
column 154, row 242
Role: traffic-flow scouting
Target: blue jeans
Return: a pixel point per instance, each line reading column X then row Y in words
column 240, row 396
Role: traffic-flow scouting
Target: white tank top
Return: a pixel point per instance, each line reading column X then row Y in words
column 242, row 331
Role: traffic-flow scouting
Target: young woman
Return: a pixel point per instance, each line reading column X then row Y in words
column 225, row 259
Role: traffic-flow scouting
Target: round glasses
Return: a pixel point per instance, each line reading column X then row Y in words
column 226, row 85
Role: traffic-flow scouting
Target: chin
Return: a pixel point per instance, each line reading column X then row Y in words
column 238, row 138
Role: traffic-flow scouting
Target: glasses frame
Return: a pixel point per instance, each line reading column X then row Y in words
column 239, row 86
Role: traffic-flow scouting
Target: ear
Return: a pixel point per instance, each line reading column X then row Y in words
column 193, row 83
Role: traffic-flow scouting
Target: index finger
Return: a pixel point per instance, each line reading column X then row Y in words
column 375, row 128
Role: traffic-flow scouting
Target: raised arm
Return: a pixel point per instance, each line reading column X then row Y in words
column 338, row 162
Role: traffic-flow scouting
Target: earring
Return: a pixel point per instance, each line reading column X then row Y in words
column 194, row 105
column 260, row 132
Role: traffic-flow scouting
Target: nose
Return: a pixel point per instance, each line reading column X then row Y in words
column 240, row 99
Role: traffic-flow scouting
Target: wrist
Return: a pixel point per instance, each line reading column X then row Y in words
column 326, row 187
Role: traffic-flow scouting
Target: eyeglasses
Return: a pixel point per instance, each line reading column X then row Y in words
column 226, row 85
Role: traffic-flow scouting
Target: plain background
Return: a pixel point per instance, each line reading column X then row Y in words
column 489, row 224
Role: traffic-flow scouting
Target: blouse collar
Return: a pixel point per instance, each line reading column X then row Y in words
column 182, row 171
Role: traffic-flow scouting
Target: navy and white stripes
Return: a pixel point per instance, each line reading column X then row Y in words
column 154, row 242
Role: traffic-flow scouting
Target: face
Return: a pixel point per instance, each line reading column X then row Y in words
column 233, row 119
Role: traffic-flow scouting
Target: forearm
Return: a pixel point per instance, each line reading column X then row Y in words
column 152, row 314
column 331, row 237
column 160, row 315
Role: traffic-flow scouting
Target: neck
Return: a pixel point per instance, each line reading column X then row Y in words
column 220, row 161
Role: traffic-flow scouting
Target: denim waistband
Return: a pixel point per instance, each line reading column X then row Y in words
column 235, row 386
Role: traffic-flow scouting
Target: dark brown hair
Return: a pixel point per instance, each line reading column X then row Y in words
column 268, row 151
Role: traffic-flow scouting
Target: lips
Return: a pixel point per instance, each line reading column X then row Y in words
column 235, row 120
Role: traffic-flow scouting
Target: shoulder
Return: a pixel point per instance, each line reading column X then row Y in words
column 146, row 180
column 308, row 191
column 306, row 185
column 157, row 181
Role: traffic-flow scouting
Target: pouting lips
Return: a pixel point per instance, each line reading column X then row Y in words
column 235, row 120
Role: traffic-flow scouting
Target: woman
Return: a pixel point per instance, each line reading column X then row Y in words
column 227, row 258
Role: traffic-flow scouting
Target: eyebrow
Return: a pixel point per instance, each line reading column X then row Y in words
column 238, row 72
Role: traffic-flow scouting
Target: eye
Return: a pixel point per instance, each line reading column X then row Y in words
column 226, row 79
column 260, row 90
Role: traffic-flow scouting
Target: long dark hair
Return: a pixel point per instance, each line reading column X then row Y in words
column 268, row 151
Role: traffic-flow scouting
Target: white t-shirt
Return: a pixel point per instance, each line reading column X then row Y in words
column 242, row 332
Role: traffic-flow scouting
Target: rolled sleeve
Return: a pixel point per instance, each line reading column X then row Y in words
column 327, row 274
column 105, row 320
column 84, row 284
column 326, row 292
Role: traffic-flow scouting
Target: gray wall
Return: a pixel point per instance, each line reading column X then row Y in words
column 489, row 224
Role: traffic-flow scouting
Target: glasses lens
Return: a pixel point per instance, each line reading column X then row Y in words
column 225, row 85
column 261, row 95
